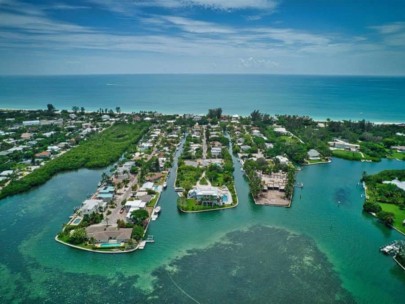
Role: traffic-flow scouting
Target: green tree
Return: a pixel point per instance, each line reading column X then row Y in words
column 82, row 110
column 50, row 107
column 118, row 109
column 78, row 236
column 138, row 216
column 137, row 232
column 75, row 109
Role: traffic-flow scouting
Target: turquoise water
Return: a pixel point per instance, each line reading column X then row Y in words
column 225, row 198
column 336, row 241
column 370, row 98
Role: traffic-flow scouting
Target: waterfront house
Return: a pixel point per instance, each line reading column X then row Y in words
column 92, row 205
column 109, row 234
column 210, row 196
column 398, row 148
column 314, row 155
column 106, row 197
column 340, row 144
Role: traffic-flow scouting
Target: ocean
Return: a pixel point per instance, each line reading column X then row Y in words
column 377, row 99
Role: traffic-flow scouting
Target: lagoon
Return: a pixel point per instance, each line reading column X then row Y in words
column 336, row 239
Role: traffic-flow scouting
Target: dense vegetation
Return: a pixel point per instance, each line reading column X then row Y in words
column 99, row 151
column 187, row 176
column 387, row 201
column 251, row 167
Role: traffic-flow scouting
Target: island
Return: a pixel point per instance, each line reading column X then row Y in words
column 385, row 197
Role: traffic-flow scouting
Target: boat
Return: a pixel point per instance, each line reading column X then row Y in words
column 390, row 249
column 164, row 185
column 157, row 209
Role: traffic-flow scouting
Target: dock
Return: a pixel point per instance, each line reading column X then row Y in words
column 142, row 244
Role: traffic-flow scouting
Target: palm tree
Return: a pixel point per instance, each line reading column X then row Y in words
column 75, row 109
column 118, row 109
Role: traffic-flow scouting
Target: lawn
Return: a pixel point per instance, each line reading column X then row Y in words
column 397, row 155
column 190, row 204
column 398, row 213
column 349, row 155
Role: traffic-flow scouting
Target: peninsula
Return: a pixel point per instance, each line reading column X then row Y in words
column 141, row 149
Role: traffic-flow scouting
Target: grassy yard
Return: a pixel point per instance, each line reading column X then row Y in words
column 397, row 155
column 349, row 155
column 190, row 204
column 398, row 213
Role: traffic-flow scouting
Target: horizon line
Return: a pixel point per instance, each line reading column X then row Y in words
column 208, row 74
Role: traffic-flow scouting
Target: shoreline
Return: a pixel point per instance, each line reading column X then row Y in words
column 316, row 119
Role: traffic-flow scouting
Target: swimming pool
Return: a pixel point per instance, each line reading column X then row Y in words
column 109, row 245
column 225, row 198
column 77, row 221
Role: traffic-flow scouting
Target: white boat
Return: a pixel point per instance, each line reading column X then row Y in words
column 157, row 209
column 165, row 185
column 390, row 249
column 142, row 245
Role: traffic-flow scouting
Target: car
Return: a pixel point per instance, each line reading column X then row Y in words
column 122, row 210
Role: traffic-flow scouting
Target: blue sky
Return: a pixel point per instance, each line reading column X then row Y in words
column 330, row 37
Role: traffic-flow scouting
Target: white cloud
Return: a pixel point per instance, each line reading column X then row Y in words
column 126, row 6
column 195, row 26
column 389, row 28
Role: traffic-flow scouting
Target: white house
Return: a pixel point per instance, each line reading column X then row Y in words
column 91, row 205
column 281, row 130
column 216, row 152
column 314, row 155
column 283, row 160
column 31, row 123
column 208, row 195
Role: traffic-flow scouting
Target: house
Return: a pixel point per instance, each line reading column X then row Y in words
column 132, row 206
column 283, row 160
column 340, row 144
column 269, row 145
column 314, row 155
column 102, row 234
column 106, row 197
column 105, row 117
column 245, row 148
column 26, row 136
column 55, row 149
column 216, row 152
column 72, row 116
column 6, row 173
column 43, row 155
column 92, row 205
column 29, row 123
column 281, row 130
column 256, row 133
column 49, row 134
column 398, row 148
column 209, row 196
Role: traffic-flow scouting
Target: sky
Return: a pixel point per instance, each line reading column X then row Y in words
column 321, row 37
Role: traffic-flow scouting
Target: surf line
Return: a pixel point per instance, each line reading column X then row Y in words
column 181, row 289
